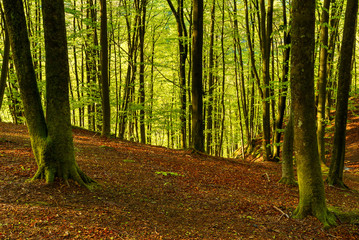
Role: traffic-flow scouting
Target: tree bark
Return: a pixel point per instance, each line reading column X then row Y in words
column 105, row 90
column 5, row 66
column 183, row 52
column 283, row 92
column 51, row 142
column 209, row 137
column 287, row 154
column 322, row 80
column 310, row 181
column 335, row 176
column 266, row 32
column 197, row 86
column 142, row 31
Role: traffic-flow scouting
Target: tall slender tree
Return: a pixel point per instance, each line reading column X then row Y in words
column 335, row 176
column 284, row 80
column 183, row 52
column 197, row 86
column 105, row 90
column 322, row 80
column 266, row 27
column 5, row 64
column 142, row 31
column 310, row 181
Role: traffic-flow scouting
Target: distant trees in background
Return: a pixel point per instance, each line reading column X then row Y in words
column 132, row 71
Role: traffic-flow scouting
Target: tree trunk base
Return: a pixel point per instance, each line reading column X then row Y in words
column 71, row 172
column 288, row 181
column 327, row 218
column 335, row 182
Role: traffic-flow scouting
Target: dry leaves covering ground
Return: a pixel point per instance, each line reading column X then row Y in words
column 151, row 192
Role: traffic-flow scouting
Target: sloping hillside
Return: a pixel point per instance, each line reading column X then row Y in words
column 151, row 192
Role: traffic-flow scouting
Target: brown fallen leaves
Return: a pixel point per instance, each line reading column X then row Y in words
column 151, row 192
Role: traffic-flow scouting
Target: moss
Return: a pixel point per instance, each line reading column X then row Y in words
column 288, row 181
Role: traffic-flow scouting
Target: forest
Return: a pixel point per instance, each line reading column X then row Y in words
column 263, row 83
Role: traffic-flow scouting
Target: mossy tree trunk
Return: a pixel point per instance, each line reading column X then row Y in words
column 287, row 154
column 310, row 181
column 51, row 139
column 5, row 65
column 337, row 162
column 322, row 80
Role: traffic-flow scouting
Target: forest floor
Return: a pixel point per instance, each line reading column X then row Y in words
column 151, row 192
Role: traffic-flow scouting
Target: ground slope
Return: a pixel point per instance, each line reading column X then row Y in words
column 151, row 192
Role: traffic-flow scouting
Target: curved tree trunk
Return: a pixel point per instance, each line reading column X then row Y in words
column 310, row 181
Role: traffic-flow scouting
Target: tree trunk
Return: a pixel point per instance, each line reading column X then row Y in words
column 283, row 91
column 52, row 141
column 106, row 108
column 311, row 186
column 335, row 176
column 322, row 80
column 5, row 65
column 266, row 32
column 287, row 154
column 183, row 52
column 197, row 87
column 142, row 31
column 209, row 137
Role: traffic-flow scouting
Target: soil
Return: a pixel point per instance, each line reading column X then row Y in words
column 151, row 192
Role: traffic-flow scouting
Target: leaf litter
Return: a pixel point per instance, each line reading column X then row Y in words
column 151, row 192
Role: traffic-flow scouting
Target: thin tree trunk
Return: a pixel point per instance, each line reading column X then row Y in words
column 266, row 31
column 5, row 64
column 106, row 108
column 197, row 88
column 283, row 91
column 209, row 129
column 142, row 29
column 322, row 80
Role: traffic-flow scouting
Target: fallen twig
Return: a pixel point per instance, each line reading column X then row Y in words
column 280, row 210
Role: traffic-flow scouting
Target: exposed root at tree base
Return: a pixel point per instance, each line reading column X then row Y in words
column 337, row 183
column 74, row 173
column 326, row 217
column 288, row 181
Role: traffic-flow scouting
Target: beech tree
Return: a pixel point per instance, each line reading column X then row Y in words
column 4, row 67
column 322, row 80
column 337, row 162
column 106, row 108
column 197, row 86
column 310, row 181
column 51, row 139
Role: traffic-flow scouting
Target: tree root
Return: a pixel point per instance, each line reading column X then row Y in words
column 326, row 217
column 337, row 183
column 288, row 181
column 74, row 173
